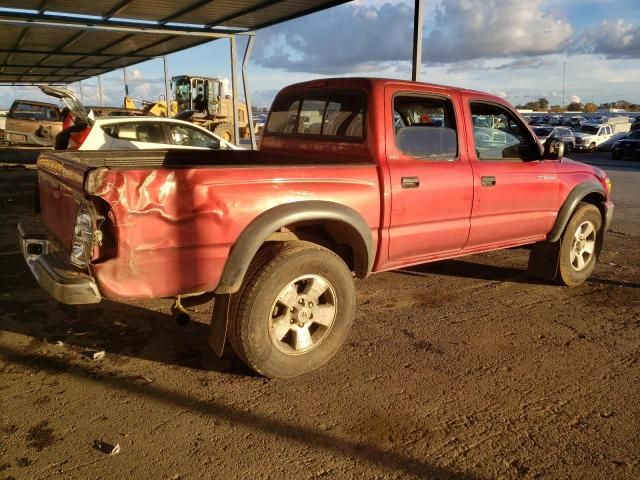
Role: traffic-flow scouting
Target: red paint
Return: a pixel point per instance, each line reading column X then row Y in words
column 174, row 227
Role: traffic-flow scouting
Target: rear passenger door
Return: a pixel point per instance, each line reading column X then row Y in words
column 516, row 193
column 431, row 179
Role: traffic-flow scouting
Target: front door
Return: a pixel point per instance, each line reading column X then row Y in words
column 431, row 179
column 516, row 193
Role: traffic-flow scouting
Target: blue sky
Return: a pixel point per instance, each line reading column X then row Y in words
column 513, row 48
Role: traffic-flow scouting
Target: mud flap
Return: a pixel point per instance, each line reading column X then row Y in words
column 544, row 260
column 218, row 330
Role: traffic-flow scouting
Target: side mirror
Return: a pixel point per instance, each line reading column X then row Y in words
column 553, row 149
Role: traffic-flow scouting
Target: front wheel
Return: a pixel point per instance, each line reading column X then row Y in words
column 580, row 245
column 293, row 311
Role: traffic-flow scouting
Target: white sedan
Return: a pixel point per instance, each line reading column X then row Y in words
column 88, row 132
column 147, row 133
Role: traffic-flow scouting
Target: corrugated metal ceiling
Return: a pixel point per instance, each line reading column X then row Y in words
column 55, row 41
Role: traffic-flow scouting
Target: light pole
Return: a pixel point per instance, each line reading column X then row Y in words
column 564, row 69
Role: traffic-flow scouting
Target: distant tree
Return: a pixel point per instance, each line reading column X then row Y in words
column 543, row 104
column 590, row 108
column 540, row 105
column 575, row 107
column 556, row 109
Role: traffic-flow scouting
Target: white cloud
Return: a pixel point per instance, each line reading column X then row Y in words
column 499, row 93
column 618, row 39
column 474, row 29
column 575, row 99
column 356, row 38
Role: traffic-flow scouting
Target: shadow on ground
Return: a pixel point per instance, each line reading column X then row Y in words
column 481, row 271
column 123, row 329
column 19, row 155
column 210, row 408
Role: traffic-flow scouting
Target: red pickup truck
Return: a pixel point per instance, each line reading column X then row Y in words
column 353, row 176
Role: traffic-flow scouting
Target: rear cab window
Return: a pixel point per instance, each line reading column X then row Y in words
column 324, row 115
column 33, row 111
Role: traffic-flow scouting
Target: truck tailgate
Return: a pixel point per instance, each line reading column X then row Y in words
column 60, row 191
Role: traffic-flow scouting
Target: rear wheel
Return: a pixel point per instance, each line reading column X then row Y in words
column 616, row 155
column 580, row 245
column 293, row 311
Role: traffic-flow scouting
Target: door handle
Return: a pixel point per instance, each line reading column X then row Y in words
column 488, row 181
column 410, row 182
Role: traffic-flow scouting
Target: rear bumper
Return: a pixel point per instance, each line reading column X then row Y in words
column 52, row 269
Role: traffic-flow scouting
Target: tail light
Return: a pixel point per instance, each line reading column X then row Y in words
column 77, row 139
column 69, row 121
column 83, row 236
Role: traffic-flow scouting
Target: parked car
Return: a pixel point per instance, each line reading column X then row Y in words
column 563, row 134
column 628, row 147
column 145, row 133
column 592, row 135
column 129, row 132
column 3, row 120
column 33, row 123
column 278, row 235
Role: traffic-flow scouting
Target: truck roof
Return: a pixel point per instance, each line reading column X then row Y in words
column 371, row 82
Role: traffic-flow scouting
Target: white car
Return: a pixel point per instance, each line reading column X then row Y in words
column 146, row 133
column 129, row 133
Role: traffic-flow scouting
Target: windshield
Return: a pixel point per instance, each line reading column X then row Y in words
column 542, row 132
column 182, row 89
column 589, row 129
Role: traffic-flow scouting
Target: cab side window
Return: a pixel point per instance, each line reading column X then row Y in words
column 425, row 127
column 499, row 135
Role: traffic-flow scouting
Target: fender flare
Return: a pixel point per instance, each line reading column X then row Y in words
column 576, row 195
column 255, row 234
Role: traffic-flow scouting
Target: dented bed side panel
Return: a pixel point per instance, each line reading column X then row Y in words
column 175, row 227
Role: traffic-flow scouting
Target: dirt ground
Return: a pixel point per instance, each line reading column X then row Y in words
column 464, row 369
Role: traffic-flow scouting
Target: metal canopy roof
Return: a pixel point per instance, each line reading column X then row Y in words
column 64, row 41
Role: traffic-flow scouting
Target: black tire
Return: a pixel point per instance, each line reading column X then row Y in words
column 569, row 273
column 225, row 131
column 616, row 155
column 568, row 148
column 254, row 309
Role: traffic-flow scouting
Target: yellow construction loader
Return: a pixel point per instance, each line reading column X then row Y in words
column 158, row 109
column 200, row 100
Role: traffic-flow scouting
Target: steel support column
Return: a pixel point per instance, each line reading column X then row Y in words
column 418, row 22
column 167, row 97
column 245, row 86
column 100, row 91
column 234, row 91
